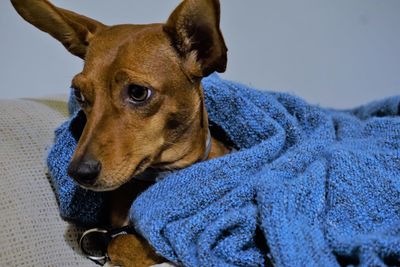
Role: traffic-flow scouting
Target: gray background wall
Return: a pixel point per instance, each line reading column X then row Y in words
column 335, row 53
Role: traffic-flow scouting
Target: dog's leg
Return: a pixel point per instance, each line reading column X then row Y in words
column 128, row 250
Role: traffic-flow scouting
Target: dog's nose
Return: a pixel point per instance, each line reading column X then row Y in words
column 85, row 171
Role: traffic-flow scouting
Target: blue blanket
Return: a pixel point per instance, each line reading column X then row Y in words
column 307, row 187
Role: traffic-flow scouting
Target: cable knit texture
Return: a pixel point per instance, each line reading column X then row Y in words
column 307, row 187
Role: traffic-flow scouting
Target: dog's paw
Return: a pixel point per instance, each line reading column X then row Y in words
column 132, row 251
column 109, row 264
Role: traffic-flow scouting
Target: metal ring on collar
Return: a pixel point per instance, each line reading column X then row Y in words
column 98, row 259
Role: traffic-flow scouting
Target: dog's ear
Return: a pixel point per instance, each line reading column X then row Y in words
column 193, row 28
column 74, row 31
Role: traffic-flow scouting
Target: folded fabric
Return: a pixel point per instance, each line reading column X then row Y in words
column 307, row 187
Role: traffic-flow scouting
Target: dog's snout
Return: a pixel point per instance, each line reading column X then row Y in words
column 85, row 171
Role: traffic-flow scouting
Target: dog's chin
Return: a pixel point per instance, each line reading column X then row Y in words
column 99, row 188
column 103, row 187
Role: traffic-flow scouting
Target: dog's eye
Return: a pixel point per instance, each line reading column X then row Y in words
column 78, row 95
column 138, row 93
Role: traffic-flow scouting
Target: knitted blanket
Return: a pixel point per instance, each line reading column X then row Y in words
column 307, row 186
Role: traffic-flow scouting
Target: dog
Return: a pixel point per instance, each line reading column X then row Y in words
column 140, row 90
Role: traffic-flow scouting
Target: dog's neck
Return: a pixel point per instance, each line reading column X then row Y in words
column 208, row 146
column 213, row 147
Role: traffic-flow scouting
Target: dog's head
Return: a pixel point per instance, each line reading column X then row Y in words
column 139, row 88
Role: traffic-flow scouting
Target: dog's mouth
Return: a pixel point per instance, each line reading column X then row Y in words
column 144, row 171
column 111, row 182
column 142, row 166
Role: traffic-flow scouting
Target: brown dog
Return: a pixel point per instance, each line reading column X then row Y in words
column 141, row 93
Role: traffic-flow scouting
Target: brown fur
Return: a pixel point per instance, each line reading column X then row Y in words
column 169, row 130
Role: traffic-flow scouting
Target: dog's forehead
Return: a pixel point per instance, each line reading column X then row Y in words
column 144, row 49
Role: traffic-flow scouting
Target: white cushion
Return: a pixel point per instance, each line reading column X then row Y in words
column 31, row 230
